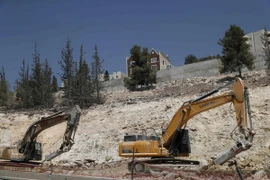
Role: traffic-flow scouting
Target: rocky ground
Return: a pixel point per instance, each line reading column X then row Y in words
column 102, row 127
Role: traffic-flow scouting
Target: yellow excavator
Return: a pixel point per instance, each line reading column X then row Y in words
column 174, row 141
column 28, row 148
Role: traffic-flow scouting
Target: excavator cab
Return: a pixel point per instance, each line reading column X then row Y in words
column 181, row 143
column 32, row 151
column 35, row 151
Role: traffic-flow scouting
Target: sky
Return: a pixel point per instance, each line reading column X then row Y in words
column 175, row 27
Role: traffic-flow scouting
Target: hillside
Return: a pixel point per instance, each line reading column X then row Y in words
column 103, row 126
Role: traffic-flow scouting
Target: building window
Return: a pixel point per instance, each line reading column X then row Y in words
column 132, row 62
column 163, row 62
column 154, row 67
column 153, row 60
column 130, row 71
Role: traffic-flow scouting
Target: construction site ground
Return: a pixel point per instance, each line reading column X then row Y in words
column 102, row 127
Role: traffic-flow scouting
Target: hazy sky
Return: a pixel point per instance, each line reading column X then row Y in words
column 175, row 27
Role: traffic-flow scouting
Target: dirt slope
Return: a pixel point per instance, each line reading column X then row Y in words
column 103, row 126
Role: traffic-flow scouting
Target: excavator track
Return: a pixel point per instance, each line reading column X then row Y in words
column 19, row 164
column 146, row 165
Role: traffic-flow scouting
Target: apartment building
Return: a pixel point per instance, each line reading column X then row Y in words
column 158, row 61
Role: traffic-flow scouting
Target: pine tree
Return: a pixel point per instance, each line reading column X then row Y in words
column 106, row 76
column 36, row 79
column 235, row 50
column 22, row 89
column 4, row 90
column 97, row 72
column 47, row 98
column 142, row 75
column 83, row 95
column 68, row 67
column 266, row 50
column 34, row 90
column 54, row 84
column 138, row 74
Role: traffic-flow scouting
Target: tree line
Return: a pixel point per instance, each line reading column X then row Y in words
column 36, row 84
column 83, row 82
column 191, row 58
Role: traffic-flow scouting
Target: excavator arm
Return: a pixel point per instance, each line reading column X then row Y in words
column 69, row 135
column 238, row 96
column 29, row 149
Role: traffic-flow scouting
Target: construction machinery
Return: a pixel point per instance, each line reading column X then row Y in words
column 174, row 140
column 28, row 148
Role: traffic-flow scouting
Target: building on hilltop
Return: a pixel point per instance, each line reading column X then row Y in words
column 158, row 61
column 114, row 75
column 117, row 75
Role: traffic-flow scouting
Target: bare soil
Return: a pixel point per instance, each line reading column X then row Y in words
column 102, row 127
